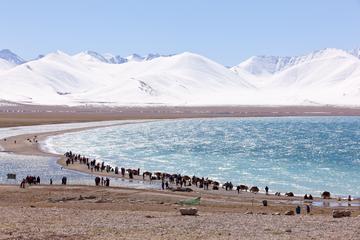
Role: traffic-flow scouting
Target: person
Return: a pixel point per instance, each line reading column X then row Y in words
column 267, row 190
column 349, row 198
column 22, row 184
column 307, row 209
column 97, row 181
column 38, row 180
column 63, row 181
column 51, row 181
column 298, row 209
column 163, row 185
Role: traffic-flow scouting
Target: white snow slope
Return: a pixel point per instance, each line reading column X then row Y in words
column 329, row 76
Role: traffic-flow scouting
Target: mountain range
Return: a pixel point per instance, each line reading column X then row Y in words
column 325, row 77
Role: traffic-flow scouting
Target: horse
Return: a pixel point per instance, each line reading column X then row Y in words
column 158, row 175
column 325, row 195
column 289, row 194
column 147, row 174
column 242, row 188
column 186, row 178
column 214, row 183
column 254, row 189
column 133, row 171
column 228, row 186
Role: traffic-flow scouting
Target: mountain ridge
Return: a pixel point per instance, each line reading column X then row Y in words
column 328, row 76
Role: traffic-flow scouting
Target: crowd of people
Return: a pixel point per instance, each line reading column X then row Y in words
column 102, row 181
column 33, row 180
column 30, row 180
column 168, row 181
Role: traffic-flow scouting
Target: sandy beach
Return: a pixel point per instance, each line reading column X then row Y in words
column 89, row 212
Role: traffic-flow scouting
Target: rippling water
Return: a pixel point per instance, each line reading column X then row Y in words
column 46, row 167
column 299, row 154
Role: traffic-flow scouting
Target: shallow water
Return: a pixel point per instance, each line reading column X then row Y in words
column 46, row 167
column 299, row 154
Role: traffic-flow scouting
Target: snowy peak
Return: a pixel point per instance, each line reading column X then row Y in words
column 267, row 65
column 262, row 65
column 11, row 57
column 134, row 58
column 57, row 56
column 91, row 56
column 114, row 59
column 151, row 56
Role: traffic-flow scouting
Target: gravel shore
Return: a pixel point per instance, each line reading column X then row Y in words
column 57, row 212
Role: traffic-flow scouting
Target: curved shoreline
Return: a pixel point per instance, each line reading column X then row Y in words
column 24, row 147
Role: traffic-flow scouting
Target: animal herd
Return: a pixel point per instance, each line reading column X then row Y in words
column 177, row 179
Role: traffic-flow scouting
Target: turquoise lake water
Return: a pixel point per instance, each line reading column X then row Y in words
column 46, row 167
column 299, row 154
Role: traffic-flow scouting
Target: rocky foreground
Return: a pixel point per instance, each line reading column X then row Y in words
column 82, row 212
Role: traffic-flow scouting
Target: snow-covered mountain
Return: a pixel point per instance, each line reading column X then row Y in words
column 114, row 59
column 90, row 56
column 329, row 76
column 84, row 78
column 11, row 57
column 264, row 65
column 9, row 60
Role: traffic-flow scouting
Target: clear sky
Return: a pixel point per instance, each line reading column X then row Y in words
column 225, row 31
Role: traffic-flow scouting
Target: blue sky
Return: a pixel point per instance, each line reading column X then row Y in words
column 225, row 31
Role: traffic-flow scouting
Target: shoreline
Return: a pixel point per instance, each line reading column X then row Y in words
column 80, row 211
column 24, row 147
